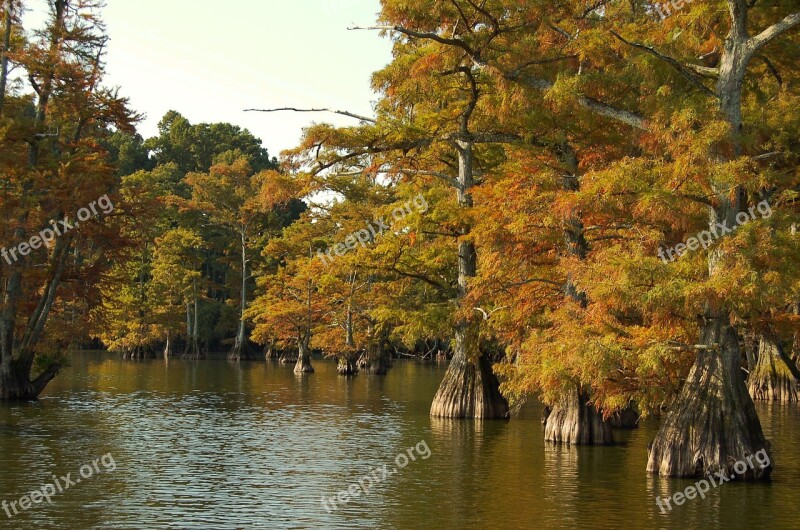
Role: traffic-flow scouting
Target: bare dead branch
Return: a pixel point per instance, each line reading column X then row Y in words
column 340, row 112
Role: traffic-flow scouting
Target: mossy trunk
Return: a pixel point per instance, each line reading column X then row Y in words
column 712, row 424
column 773, row 379
column 303, row 365
column 470, row 388
column 575, row 421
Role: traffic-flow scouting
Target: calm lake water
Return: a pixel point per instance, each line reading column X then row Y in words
column 216, row 445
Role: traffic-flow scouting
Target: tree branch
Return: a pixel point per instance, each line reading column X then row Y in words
column 777, row 29
column 341, row 112
column 422, row 35
column 689, row 76
column 627, row 117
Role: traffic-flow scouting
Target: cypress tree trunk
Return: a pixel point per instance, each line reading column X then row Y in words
column 470, row 388
column 288, row 357
column 139, row 353
column 193, row 352
column 375, row 359
column 712, row 423
column 773, row 378
column 303, row 365
column 241, row 347
column 16, row 385
column 169, row 351
column 750, row 343
column 575, row 421
column 346, row 365
column 271, row 352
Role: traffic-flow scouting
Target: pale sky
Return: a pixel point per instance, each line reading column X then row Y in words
column 210, row 59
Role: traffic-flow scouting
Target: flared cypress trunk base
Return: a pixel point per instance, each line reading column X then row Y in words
column 575, row 421
column 346, row 366
column 712, row 424
column 242, row 353
column 772, row 379
column 271, row 353
column 138, row 354
column 193, row 351
column 374, row 361
column 303, row 365
column 470, row 389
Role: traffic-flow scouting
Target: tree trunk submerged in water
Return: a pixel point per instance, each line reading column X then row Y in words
column 470, row 388
column 375, row 360
column 288, row 357
column 773, row 378
column 271, row 352
column 712, row 424
column 241, row 347
column 139, row 353
column 346, row 365
column 575, row 421
column 303, row 365
column 16, row 384
column 193, row 352
column 169, row 351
